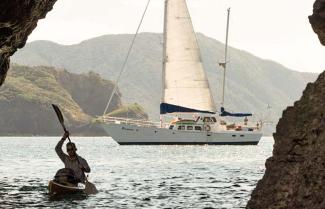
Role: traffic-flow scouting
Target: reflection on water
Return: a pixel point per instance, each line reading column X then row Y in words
column 133, row 176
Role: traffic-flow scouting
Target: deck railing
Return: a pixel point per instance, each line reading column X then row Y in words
column 129, row 121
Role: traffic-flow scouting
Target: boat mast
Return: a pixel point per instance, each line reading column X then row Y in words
column 164, row 57
column 224, row 65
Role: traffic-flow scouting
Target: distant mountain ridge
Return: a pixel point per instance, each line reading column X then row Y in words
column 252, row 84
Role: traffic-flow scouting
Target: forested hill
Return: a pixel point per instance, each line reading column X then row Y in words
column 27, row 95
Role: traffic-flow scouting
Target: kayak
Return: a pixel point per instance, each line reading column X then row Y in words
column 56, row 188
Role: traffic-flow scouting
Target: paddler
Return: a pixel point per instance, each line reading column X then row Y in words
column 72, row 160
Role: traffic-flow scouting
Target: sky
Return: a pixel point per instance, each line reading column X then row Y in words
column 278, row 30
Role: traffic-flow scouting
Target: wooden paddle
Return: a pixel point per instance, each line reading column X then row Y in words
column 90, row 187
column 60, row 117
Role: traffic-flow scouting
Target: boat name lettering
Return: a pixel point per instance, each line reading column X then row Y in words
column 127, row 129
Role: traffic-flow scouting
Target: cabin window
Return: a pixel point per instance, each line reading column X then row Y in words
column 213, row 119
column 181, row 127
column 198, row 128
column 233, row 135
column 189, row 127
column 206, row 119
column 171, row 127
column 223, row 122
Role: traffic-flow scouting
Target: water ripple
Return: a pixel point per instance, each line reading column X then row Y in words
column 133, row 176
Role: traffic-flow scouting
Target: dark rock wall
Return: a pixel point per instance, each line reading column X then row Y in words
column 317, row 20
column 18, row 18
column 295, row 174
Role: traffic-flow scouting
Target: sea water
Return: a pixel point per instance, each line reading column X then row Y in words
column 170, row 176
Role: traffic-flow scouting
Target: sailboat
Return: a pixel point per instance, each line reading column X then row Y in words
column 186, row 96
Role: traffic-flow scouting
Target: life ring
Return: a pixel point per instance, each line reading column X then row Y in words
column 207, row 128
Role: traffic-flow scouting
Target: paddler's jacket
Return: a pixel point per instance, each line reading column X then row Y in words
column 73, row 164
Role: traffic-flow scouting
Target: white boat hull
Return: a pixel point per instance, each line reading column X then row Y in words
column 126, row 134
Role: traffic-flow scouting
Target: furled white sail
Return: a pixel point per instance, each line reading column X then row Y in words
column 186, row 88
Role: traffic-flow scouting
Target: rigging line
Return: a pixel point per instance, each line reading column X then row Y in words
column 126, row 59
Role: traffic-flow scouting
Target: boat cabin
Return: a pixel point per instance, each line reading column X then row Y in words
column 199, row 124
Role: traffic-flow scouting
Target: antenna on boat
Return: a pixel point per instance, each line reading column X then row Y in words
column 224, row 64
column 268, row 119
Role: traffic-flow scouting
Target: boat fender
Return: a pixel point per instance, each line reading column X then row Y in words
column 207, row 128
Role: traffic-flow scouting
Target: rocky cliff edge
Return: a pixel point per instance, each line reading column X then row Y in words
column 295, row 174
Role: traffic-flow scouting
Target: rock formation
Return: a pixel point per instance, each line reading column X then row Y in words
column 295, row 174
column 17, row 20
column 317, row 20
column 27, row 95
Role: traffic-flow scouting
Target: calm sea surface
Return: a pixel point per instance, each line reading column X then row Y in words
column 133, row 176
